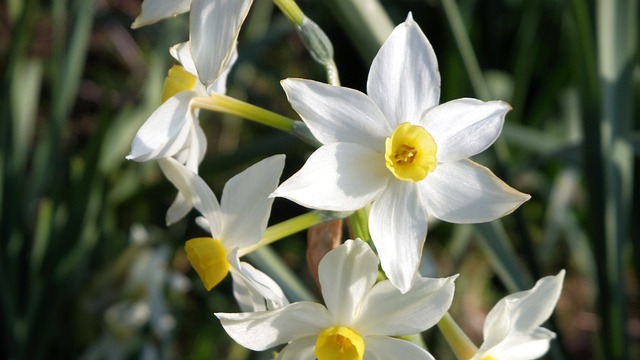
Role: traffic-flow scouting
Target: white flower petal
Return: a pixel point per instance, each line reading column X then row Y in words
column 155, row 10
column 524, row 346
column 182, row 53
column 299, row 349
column 178, row 209
column 253, row 289
column 197, row 147
column 338, row 114
column 203, row 223
column 165, row 132
column 404, row 80
column 497, row 327
column 246, row 204
column 338, row 177
column 265, row 329
column 513, row 323
column 465, row 192
column 465, row 127
column 214, row 28
column 398, row 226
column 386, row 311
column 529, row 309
column 220, row 85
column 195, row 190
column 347, row 273
column 384, row 348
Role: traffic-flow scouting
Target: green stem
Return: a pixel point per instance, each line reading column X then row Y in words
column 292, row 226
column 359, row 224
column 291, row 10
column 222, row 103
column 225, row 104
column 459, row 342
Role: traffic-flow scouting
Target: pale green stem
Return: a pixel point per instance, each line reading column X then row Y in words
column 291, row 10
column 459, row 342
column 292, row 226
column 359, row 224
column 225, row 104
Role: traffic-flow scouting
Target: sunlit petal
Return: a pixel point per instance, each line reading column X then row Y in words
column 347, row 273
column 384, row 348
column 220, row 85
column 266, row 329
column 195, row 190
column 466, row 192
column 155, row 10
column 388, row 312
column 182, row 53
column 398, row 226
column 465, row 127
column 246, row 204
column 524, row 346
column 529, row 309
column 299, row 349
column 337, row 114
column 165, row 132
column 214, row 28
column 337, row 176
column 178, row 209
column 253, row 289
column 197, row 147
column 511, row 329
column 404, row 80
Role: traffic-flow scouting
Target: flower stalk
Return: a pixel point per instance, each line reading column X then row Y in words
column 459, row 342
column 291, row 10
column 291, row 226
column 222, row 103
column 359, row 224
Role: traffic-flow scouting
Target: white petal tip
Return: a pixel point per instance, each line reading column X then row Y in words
column 409, row 17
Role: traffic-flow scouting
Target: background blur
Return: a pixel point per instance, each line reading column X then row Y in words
column 89, row 270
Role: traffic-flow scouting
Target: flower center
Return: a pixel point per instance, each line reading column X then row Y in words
column 339, row 343
column 410, row 152
column 177, row 80
column 209, row 258
column 488, row 357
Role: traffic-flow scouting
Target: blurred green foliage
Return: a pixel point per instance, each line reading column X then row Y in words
column 88, row 269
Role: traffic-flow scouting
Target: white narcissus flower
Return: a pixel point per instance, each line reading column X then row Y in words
column 173, row 130
column 236, row 223
column 512, row 328
column 214, row 26
column 398, row 148
column 360, row 316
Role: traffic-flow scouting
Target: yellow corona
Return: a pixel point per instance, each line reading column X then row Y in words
column 339, row 343
column 209, row 258
column 410, row 152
